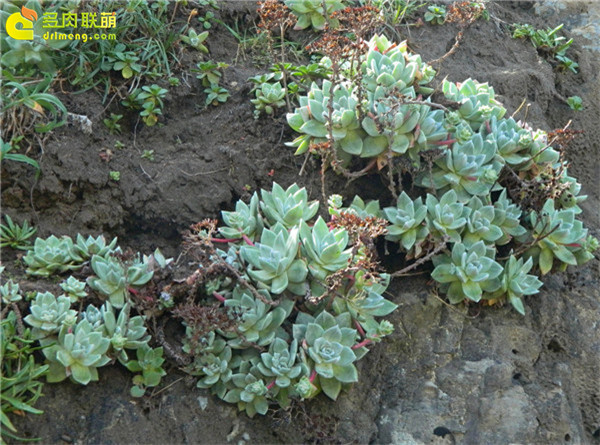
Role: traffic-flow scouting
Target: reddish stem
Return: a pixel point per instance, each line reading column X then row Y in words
column 313, row 376
column 351, row 280
column 270, row 385
column 224, row 240
column 219, row 297
column 365, row 342
column 248, row 240
column 359, row 328
column 447, row 142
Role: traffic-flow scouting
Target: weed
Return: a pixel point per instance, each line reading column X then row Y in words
column 206, row 19
column 196, row 40
column 126, row 62
column 548, row 43
column 20, row 375
column 148, row 154
column 216, row 94
column 5, row 153
column 436, row 15
column 112, row 123
column 396, row 11
column 115, row 175
column 14, row 235
column 29, row 107
column 210, row 72
column 575, row 103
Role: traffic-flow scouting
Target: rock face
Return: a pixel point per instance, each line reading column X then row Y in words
column 449, row 374
column 496, row 377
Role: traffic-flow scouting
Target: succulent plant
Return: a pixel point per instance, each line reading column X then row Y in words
column 280, row 362
column 113, row 280
column 389, row 66
column 214, row 367
column 407, row 222
column 10, row 292
column 447, row 216
column 512, row 140
column 248, row 391
column 74, row 289
column 77, row 353
column 246, row 220
column 364, row 210
column 85, row 248
column 384, row 71
column 154, row 261
column 49, row 313
column 94, row 317
column 467, row 273
column 258, row 321
column 287, row 207
column 516, row 282
column 195, row 40
column 388, row 71
column 149, row 363
column 213, row 361
column 429, row 129
column 570, row 197
column 315, row 13
column 311, row 118
column 558, row 235
column 110, row 279
column 584, row 253
column 51, row 255
column 274, row 263
column 330, row 350
column 124, row 332
column 327, row 342
column 507, row 216
column 480, row 224
column 139, row 273
column 364, row 301
column 324, row 249
column 470, row 169
column 393, row 126
column 477, row 101
column 540, row 152
column 268, row 97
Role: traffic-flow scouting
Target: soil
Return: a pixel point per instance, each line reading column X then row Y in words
column 207, row 158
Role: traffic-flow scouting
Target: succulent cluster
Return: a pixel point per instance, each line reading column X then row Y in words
column 303, row 310
column 114, row 278
column 268, row 97
column 58, row 255
column 488, row 181
column 77, row 342
column 369, row 118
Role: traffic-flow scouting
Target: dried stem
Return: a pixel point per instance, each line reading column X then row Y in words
column 452, row 50
column 438, row 248
column 247, row 285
